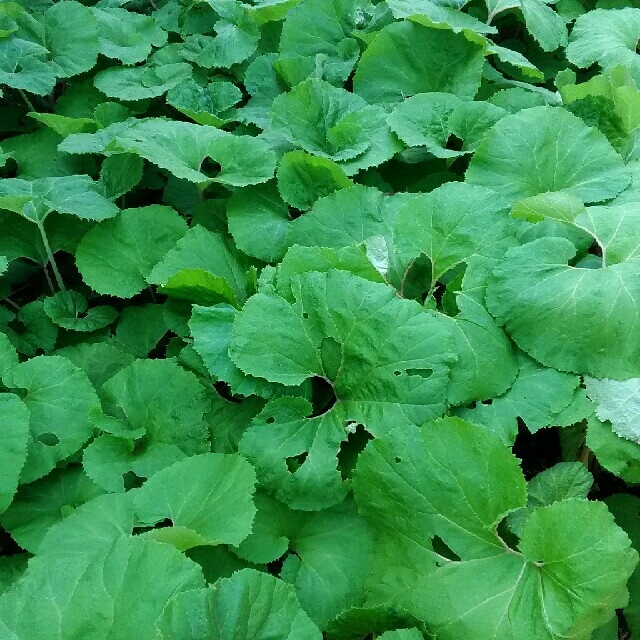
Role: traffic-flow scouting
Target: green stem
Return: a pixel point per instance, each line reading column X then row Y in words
column 25, row 97
column 11, row 303
column 50, row 258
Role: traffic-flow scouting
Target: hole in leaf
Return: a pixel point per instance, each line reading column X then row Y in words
column 397, row 373
column 295, row 462
column 132, row 481
column 49, row 439
column 397, row 460
column 210, row 168
column 442, row 549
column 422, row 373
column 351, row 448
column 305, row 315
column 167, row 522
column 323, row 396
column 270, row 420
column 454, row 143
column 490, row 401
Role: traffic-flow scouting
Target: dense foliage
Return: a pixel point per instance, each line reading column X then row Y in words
column 320, row 318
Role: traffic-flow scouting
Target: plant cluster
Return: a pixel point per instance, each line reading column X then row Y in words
column 319, row 319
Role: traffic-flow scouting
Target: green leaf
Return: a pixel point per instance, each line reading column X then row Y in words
column 35, row 199
column 140, row 328
column 423, row 120
column 259, row 221
column 209, row 105
column 453, row 223
column 608, row 37
column 537, row 396
column 325, row 120
column 211, row 331
column 88, row 576
column 248, row 605
column 618, row 402
column 120, row 173
column 329, row 332
column 159, row 399
column 303, row 178
column 14, row 417
column 208, row 499
column 63, row 125
column 8, row 354
column 204, row 268
column 625, row 509
column 138, row 83
column 618, row 455
column 545, row 25
column 554, row 205
column 41, row 504
column 406, row 58
column 127, row 36
column 603, row 303
column 116, row 256
column 562, row 481
column 59, row 397
column 570, row 578
column 547, row 149
column 70, row 310
column 181, row 148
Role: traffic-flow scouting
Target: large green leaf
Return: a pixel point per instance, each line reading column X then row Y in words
column 453, row 482
column 59, row 397
column 618, row 402
column 547, row 149
column 34, row 199
column 116, row 256
column 14, row 417
column 207, row 497
column 41, row 504
column 406, row 58
column 158, row 408
column 572, row 319
column 89, row 575
column 127, row 36
column 249, row 605
column 608, row 37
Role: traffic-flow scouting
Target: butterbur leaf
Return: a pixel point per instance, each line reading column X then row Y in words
column 8, row 354
column 453, row 223
column 70, row 310
column 146, row 81
column 127, row 36
column 116, row 256
column 407, row 58
column 41, row 504
column 616, row 454
column 140, row 328
column 303, row 178
column 209, row 105
column 608, row 37
column 120, row 173
column 34, row 199
column 88, row 599
column 159, row 399
column 602, row 302
column 208, row 499
column 203, row 268
column 317, row 28
column 259, row 221
column 14, row 418
column 545, row 25
column 422, row 120
column 538, row 395
column 250, row 604
column 560, row 482
column 617, row 401
column 415, row 473
column 324, row 120
column 561, row 206
column 547, row 149
column 59, row 397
